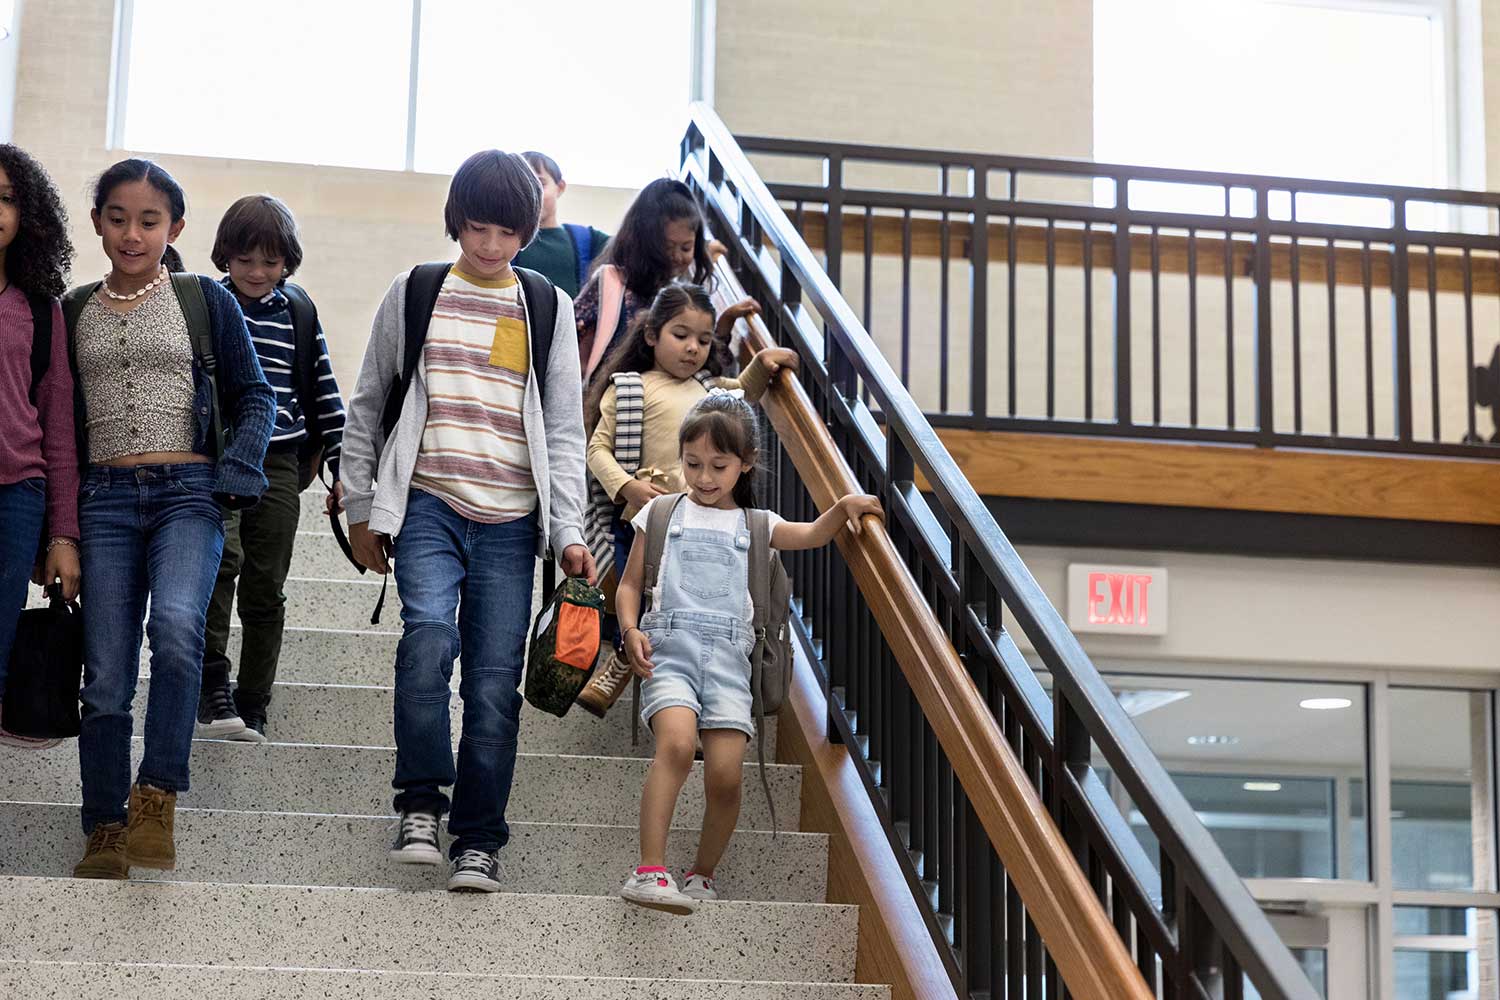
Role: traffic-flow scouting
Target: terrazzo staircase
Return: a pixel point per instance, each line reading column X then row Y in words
column 283, row 890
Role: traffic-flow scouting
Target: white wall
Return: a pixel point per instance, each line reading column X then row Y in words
column 1285, row 612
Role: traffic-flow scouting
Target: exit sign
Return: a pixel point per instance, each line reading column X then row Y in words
column 1122, row 600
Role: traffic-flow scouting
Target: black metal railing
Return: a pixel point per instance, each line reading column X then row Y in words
column 1185, row 916
column 1019, row 293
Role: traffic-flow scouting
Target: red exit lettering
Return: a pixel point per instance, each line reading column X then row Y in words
column 1119, row 599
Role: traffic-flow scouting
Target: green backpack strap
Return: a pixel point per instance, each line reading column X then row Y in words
column 200, row 331
column 658, row 521
column 759, row 523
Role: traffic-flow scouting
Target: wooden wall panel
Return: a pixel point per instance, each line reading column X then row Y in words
column 1232, row 477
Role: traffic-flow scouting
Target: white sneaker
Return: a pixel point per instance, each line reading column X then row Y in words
column 417, row 840
column 700, row 887
column 654, row 888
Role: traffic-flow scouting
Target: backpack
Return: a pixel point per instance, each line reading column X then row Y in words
column 771, row 600
column 305, row 355
column 583, row 248
column 564, row 646
column 422, row 288
column 630, row 411
column 194, row 306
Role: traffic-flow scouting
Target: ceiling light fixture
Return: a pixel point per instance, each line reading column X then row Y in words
column 1212, row 741
column 1262, row 786
column 1325, row 704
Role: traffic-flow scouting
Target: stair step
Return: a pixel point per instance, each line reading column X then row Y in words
column 317, row 554
column 329, row 656
column 328, row 928
column 355, row 781
column 344, row 604
column 346, row 715
column 304, row 849
column 190, row 982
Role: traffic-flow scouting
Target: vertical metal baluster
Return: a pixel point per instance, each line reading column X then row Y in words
column 1265, row 389
column 1192, row 264
column 1015, row 944
column 1155, row 326
column 943, row 302
column 1088, row 321
column 1296, row 262
column 1469, row 340
column 1432, row 321
column 1401, row 320
column 1365, row 283
column 868, row 281
column 1333, row 339
column 906, row 298
column 1229, row 329
column 801, row 218
column 1033, row 961
column 1051, row 319
column 1010, row 313
column 947, row 835
column 1124, row 408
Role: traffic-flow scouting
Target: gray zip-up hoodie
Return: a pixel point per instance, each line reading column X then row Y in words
column 376, row 472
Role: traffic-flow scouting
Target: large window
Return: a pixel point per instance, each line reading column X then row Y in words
column 601, row 86
column 1336, row 89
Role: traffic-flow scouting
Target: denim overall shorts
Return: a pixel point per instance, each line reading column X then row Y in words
column 700, row 639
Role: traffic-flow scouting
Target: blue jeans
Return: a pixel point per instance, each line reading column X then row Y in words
column 151, row 531
column 22, row 510
column 450, row 569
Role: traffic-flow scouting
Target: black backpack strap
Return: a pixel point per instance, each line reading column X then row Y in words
column 422, row 288
column 73, row 302
column 305, row 355
column 41, row 341
column 190, row 297
column 541, row 313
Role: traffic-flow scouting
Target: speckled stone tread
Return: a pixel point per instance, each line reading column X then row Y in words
column 360, row 715
column 179, row 982
column 316, row 553
column 302, row 849
column 347, row 604
column 549, row 788
column 436, row 931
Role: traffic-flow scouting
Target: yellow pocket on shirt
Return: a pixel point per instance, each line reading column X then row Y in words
column 509, row 351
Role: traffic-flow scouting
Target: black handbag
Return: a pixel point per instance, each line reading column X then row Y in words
column 45, row 672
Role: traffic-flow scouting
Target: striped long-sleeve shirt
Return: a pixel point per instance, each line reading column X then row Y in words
column 274, row 336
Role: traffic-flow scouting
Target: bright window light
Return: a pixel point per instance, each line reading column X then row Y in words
column 1286, row 87
column 601, row 87
column 275, row 80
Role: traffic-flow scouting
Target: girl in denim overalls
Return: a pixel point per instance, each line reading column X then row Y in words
column 693, row 647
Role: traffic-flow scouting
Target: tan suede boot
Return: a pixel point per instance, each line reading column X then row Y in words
column 148, row 837
column 105, row 855
column 606, row 686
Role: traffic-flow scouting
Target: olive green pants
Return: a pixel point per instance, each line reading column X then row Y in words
column 257, row 556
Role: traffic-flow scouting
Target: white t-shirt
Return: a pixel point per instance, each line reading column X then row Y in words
column 697, row 516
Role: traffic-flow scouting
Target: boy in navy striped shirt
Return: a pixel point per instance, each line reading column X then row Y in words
column 257, row 244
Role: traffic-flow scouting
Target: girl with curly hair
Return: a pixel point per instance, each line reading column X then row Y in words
column 38, row 455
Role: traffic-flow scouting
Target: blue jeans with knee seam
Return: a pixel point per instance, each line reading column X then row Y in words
column 149, row 532
column 465, row 590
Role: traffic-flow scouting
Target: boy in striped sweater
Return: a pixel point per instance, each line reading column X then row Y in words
column 464, row 460
column 257, row 244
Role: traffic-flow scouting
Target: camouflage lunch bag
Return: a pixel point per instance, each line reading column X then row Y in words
column 564, row 646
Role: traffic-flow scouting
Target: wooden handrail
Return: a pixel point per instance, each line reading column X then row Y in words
column 1090, row 957
column 887, row 232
